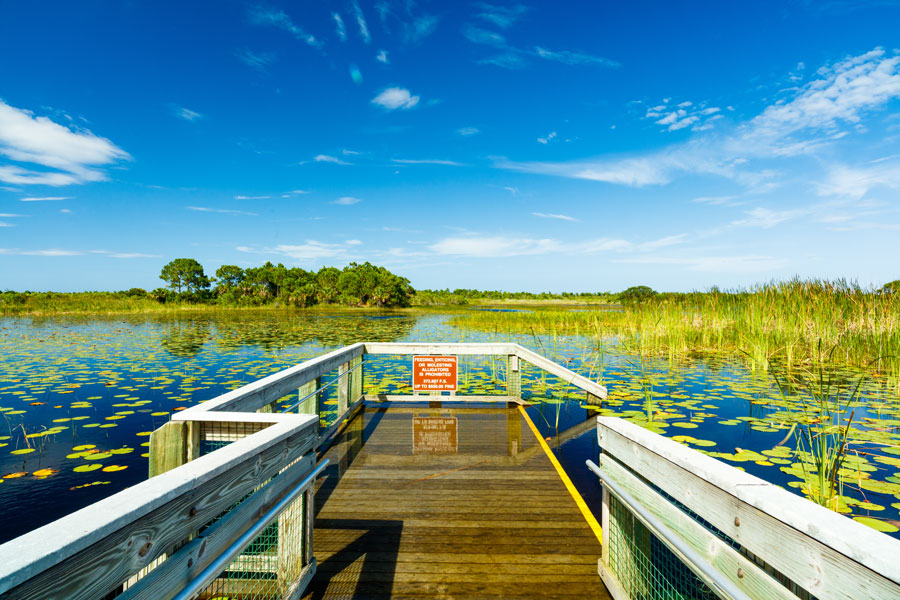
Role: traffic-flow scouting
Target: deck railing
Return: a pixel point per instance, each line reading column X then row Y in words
column 216, row 469
column 680, row 524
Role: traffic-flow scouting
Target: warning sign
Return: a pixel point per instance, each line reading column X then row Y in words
column 434, row 373
column 434, row 435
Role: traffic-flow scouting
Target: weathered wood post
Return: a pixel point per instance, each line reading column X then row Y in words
column 172, row 445
column 343, row 391
column 356, row 379
column 513, row 376
column 309, row 397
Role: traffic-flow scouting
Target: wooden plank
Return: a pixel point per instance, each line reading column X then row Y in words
column 179, row 569
column 343, row 388
column 456, row 399
column 734, row 567
column 825, row 553
column 254, row 395
column 168, row 447
column 560, row 371
column 103, row 544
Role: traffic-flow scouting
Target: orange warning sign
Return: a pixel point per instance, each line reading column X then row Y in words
column 434, row 373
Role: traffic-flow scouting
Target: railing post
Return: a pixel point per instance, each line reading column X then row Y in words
column 343, row 390
column 513, row 376
column 169, row 447
column 309, row 406
column 356, row 379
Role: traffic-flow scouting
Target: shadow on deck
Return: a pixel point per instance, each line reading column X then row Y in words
column 437, row 500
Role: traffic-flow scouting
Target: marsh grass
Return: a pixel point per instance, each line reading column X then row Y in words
column 787, row 321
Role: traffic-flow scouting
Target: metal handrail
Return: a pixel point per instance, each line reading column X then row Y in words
column 721, row 585
column 208, row 574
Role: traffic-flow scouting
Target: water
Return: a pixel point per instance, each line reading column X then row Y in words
column 84, row 393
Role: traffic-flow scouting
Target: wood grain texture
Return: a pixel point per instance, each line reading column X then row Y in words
column 827, row 554
column 475, row 523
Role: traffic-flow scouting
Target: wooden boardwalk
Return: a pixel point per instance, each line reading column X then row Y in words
column 448, row 503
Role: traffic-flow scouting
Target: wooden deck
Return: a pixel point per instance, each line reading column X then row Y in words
column 423, row 501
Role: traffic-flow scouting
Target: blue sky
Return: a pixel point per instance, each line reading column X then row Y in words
column 574, row 146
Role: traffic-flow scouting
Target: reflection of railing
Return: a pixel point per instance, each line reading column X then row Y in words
column 215, row 468
column 679, row 524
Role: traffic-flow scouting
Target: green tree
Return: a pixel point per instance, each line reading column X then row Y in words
column 637, row 293
column 892, row 287
column 185, row 275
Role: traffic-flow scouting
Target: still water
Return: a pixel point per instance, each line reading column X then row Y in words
column 79, row 397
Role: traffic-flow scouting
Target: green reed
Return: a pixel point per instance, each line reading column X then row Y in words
column 783, row 319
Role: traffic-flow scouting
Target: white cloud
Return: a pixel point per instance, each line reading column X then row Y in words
column 426, row 161
column 553, row 216
column 512, row 190
column 44, row 198
column 501, row 16
column 311, row 250
column 800, row 124
column 394, row 98
column 186, row 113
column 325, row 158
column 361, row 21
column 224, row 211
column 257, row 60
column 506, row 60
column 252, row 197
column 382, row 57
column 574, row 58
column 278, row 18
column 9, row 215
column 59, row 252
column 353, row 242
column 347, row 200
column 715, row 264
column 340, row 29
column 476, row 35
column 547, row 139
column 504, row 246
column 467, row 131
column 766, row 218
column 685, row 114
column 420, row 28
column 74, row 154
column 855, row 182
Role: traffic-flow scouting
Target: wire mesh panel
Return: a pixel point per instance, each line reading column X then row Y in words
column 645, row 567
column 273, row 564
column 215, row 435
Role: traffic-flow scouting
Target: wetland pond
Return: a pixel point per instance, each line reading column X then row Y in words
column 80, row 395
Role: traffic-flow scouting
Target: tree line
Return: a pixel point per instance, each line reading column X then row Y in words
column 355, row 285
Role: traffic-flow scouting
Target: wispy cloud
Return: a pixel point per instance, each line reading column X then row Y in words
column 547, row 138
column 326, row 158
column 275, row 17
column 498, row 246
column 347, row 200
column 339, row 27
column 361, row 21
column 44, row 198
column 224, row 211
column 186, row 113
column 467, row 131
column 394, row 98
column 553, row 216
column 426, row 161
column 420, row 28
column 75, row 155
column 568, row 57
column 382, row 57
column 855, row 182
column 802, row 123
column 252, row 197
column 60, row 252
column 310, row 250
column 684, row 114
column 766, row 218
column 501, row 16
column 258, row 60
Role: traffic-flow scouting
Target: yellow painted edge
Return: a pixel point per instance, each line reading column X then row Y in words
column 579, row 501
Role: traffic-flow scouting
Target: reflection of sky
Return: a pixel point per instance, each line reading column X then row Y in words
column 157, row 364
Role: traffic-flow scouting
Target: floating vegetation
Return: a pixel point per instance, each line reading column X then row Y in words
column 81, row 395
